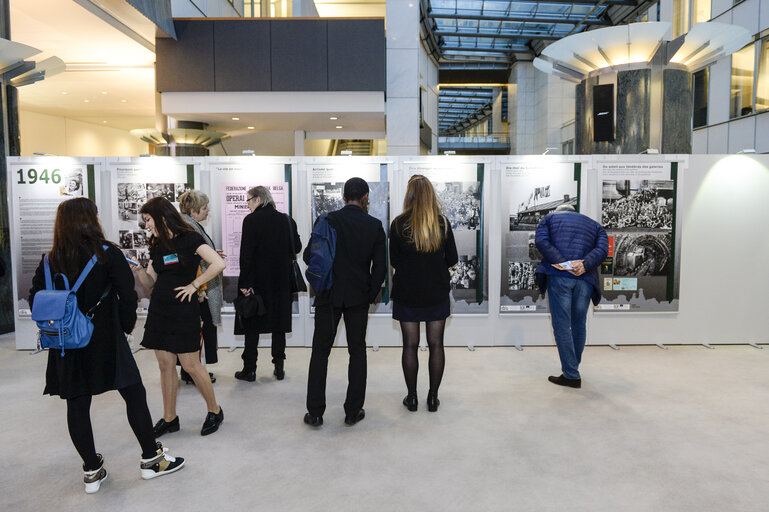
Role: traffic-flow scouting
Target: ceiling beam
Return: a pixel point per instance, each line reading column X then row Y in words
column 547, row 37
column 520, row 19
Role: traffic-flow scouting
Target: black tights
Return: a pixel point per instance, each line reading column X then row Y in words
column 410, row 361
column 81, row 433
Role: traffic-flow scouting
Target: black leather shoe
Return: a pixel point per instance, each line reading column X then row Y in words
column 186, row 377
column 563, row 381
column 279, row 373
column 313, row 421
column 432, row 401
column 163, row 426
column 352, row 419
column 213, row 420
column 248, row 376
column 410, row 402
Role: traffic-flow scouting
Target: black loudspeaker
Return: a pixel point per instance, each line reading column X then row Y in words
column 603, row 113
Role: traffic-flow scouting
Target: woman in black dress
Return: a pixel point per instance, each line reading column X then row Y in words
column 268, row 243
column 422, row 249
column 173, row 319
column 106, row 363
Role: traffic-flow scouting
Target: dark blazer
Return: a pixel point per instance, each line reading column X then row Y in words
column 106, row 363
column 569, row 236
column 359, row 261
column 265, row 266
column 421, row 278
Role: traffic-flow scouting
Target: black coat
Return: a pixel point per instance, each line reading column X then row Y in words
column 421, row 279
column 106, row 363
column 265, row 266
column 359, row 261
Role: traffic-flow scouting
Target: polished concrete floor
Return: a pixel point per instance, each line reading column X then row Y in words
column 651, row 430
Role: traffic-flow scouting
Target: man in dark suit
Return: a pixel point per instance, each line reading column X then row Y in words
column 358, row 273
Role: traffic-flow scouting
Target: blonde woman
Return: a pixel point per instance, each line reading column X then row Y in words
column 194, row 206
column 422, row 249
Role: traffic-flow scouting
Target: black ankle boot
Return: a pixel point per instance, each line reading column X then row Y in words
column 279, row 373
column 432, row 401
column 410, row 401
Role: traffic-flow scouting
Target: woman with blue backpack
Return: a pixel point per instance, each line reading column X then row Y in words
column 104, row 291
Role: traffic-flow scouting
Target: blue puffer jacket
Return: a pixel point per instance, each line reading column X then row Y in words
column 569, row 236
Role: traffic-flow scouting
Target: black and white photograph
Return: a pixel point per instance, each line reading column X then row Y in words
column 140, row 239
column 642, row 254
column 637, row 204
column 520, row 275
column 464, row 275
column 71, row 183
column 181, row 188
column 161, row 190
column 143, row 257
column 132, row 192
column 127, row 210
column 125, row 239
column 379, row 202
column 461, row 201
column 529, row 204
column 326, row 197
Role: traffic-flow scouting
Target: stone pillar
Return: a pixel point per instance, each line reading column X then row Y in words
column 496, row 111
column 299, row 136
column 403, row 52
column 9, row 146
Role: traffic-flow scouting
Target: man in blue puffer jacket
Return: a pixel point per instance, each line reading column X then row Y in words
column 573, row 247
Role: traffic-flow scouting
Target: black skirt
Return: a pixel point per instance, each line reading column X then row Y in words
column 440, row 311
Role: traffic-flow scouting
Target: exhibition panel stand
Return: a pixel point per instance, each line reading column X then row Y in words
column 676, row 223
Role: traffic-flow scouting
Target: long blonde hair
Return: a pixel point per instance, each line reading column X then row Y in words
column 422, row 214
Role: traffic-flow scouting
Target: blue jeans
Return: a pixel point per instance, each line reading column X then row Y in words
column 569, row 300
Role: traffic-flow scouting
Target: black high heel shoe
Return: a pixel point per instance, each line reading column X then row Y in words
column 187, row 378
column 410, row 401
column 432, row 401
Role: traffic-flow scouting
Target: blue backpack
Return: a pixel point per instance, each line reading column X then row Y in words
column 61, row 323
column 320, row 270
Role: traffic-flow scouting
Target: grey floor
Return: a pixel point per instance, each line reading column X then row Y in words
column 651, row 430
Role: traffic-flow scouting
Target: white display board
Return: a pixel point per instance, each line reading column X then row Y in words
column 326, row 178
column 230, row 180
column 531, row 188
column 718, row 198
column 134, row 181
column 36, row 187
column 638, row 201
column 459, row 184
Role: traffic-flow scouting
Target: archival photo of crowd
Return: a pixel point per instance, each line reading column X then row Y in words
column 520, row 275
column 531, row 200
column 637, row 204
column 461, row 202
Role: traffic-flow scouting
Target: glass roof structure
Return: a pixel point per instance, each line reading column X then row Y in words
column 493, row 34
column 461, row 108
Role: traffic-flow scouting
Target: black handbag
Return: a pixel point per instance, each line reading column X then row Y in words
column 297, row 281
column 249, row 306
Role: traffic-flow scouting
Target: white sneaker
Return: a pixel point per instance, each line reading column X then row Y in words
column 161, row 464
column 93, row 479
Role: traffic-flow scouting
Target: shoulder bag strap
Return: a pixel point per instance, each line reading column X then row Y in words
column 47, row 269
column 291, row 236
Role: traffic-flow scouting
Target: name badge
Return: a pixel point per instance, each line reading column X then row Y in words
column 170, row 259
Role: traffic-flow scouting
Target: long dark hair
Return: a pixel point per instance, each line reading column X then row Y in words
column 166, row 218
column 77, row 235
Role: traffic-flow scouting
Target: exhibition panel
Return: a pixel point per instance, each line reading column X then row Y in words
column 326, row 178
column 638, row 211
column 37, row 185
column 459, row 185
column 641, row 200
column 134, row 181
column 531, row 188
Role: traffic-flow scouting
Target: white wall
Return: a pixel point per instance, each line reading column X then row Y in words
column 262, row 143
column 42, row 133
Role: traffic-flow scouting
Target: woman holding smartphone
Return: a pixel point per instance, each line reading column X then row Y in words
column 173, row 320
